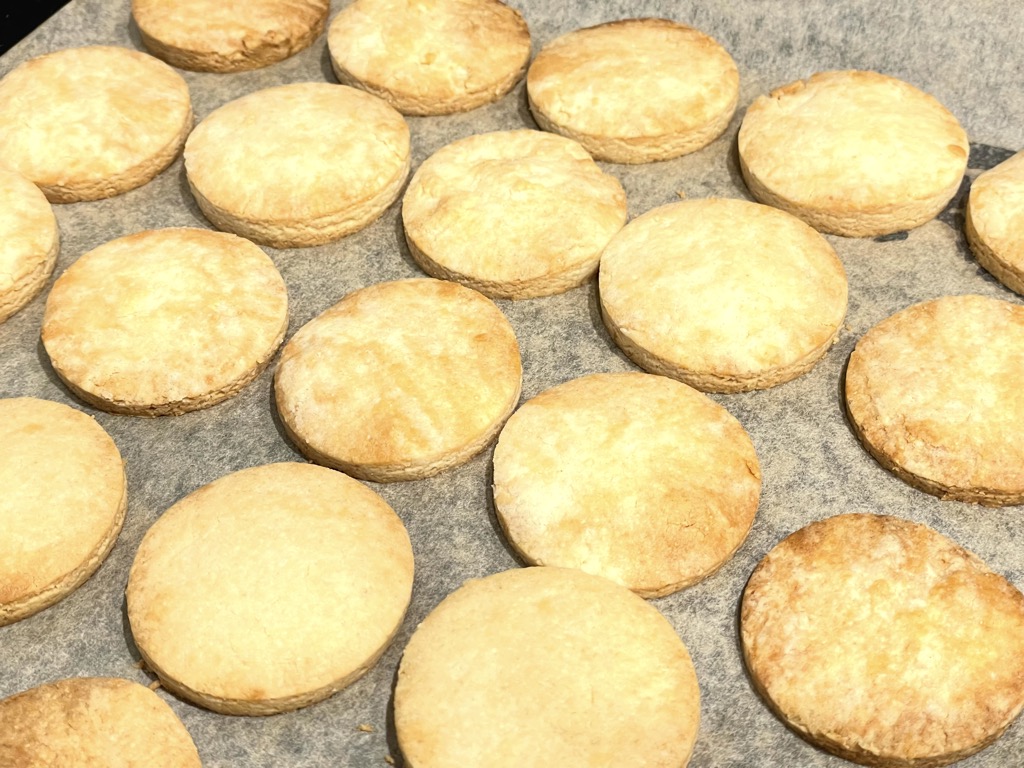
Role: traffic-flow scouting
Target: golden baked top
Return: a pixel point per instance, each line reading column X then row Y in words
column 165, row 318
column 546, row 666
column 879, row 638
column 29, row 237
column 74, row 119
column 634, row 477
column 430, row 56
column 996, row 206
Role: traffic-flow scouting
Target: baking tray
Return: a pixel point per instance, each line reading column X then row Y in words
column 968, row 55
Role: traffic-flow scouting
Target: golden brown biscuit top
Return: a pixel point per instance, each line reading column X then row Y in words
column 63, row 485
column 633, row 78
column 165, row 315
column 723, row 286
column 400, row 372
column 939, row 389
column 92, row 722
column 433, row 51
column 852, row 139
column 297, row 151
column 80, row 115
column 512, row 205
column 270, row 582
column 546, row 666
column 224, row 27
column 630, row 476
column 28, row 229
column 883, row 636
column 997, row 209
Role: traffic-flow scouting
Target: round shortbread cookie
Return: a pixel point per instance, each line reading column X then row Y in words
column 936, row 394
column 629, row 476
column 215, row 36
column 995, row 221
column 399, row 380
column 430, row 57
column 853, row 153
column 634, row 91
column 513, row 214
column 269, row 589
column 165, row 321
column 725, row 295
column 92, row 721
column 62, row 506
column 93, row 122
column 884, row 642
column 298, row 165
column 29, row 242
column 546, row 666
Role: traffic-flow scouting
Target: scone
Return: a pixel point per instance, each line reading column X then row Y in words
column 884, row 642
column 634, row 91
column 269, row 589
column 92, row 721
column 725, row 295
column 546, row 667
column 513, row 214
column 297, row 165
column 629, row 476
column 165, row 321
column 93, row 122
column 216, row 36
column 399, row 380
column 853, row 153
column 29, row 242
column 995, row 221
column 62, row 506
column 936, row 394
column 430, row 57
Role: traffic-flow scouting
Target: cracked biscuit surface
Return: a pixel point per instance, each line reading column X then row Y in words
column 853, row 153
column 884, row 642
column 270, row 588
column 936, row 394
column 77, row 123
column 633, row 477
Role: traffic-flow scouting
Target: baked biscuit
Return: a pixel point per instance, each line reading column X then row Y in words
column 92, row 721
column 165, row 321
column 269, row 589
column 629, row 476
column 884, row 642
column 430, row 57
column 214, row 36
column 297, row 165
column 513, row 214
column 995, row 221
column 546, row 666
column 724, row 295
column 399, row 380
column 62, row 506
column 93, row 122
column 634, row 91
column 29, row 242
column 936, row 394
column 853, row 153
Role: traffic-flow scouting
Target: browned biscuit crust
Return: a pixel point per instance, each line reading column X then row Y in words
column 884, row 642
column 634, row 91
column 77, row 124
column 936, row 394
column 546, row 667
column 29, row 242
column 431, row 57
column 995, row 221
column 92, row 721
column 853, row 153
column 218, row 36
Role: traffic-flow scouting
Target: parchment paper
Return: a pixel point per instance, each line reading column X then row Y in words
column 968, row 55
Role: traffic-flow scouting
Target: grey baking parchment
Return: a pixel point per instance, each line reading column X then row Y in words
column 968, row 55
